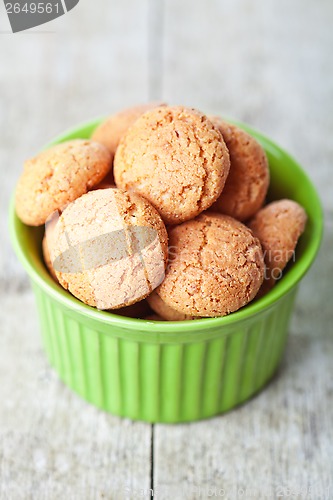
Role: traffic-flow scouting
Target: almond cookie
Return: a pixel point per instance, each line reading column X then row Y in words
column 110, row 131
column 176, row 159
column 248, row 180
column 215, row 267
column 109, row 248
column 57, row 176
column 48, row 241
column 164, row 311
column 278, row 226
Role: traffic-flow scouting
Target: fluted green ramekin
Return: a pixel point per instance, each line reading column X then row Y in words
column 171, row 371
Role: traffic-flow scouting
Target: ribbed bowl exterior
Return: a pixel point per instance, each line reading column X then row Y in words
column 164, row 381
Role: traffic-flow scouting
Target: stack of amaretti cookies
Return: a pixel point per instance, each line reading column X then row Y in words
column 160, row 215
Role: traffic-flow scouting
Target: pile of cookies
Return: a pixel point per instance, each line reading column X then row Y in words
column 163, row 210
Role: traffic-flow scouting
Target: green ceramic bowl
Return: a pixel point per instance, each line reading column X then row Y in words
column 171, row 371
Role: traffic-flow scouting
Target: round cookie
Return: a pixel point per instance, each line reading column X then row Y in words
column 215, row 267
column 110, row 131
column 176, row 158
column 164, row 311
column 109, row 248
column 278, row 226
column 57, row 176
column 248, row 180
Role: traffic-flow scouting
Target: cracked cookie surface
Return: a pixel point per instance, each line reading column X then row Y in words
column 176, row 158
column 109, row 248
column 215, row 267
column 248, row 180
column 57, row 176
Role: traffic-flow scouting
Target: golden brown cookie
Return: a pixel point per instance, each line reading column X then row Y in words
column 154, row 317
column 110, row 131
column 278, row 227
column 47, row 259
column 247, row 183
column 215, row 267
column 176, row 159
column 109, row 248
column 164, row 311
column 57, row 176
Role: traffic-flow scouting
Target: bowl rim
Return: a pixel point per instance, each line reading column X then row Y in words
column 295, row 274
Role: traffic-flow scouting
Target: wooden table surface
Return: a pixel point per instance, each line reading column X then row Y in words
column 268, row 63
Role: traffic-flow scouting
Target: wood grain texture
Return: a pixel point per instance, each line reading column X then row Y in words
column 53, row 444
column 267, row 63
